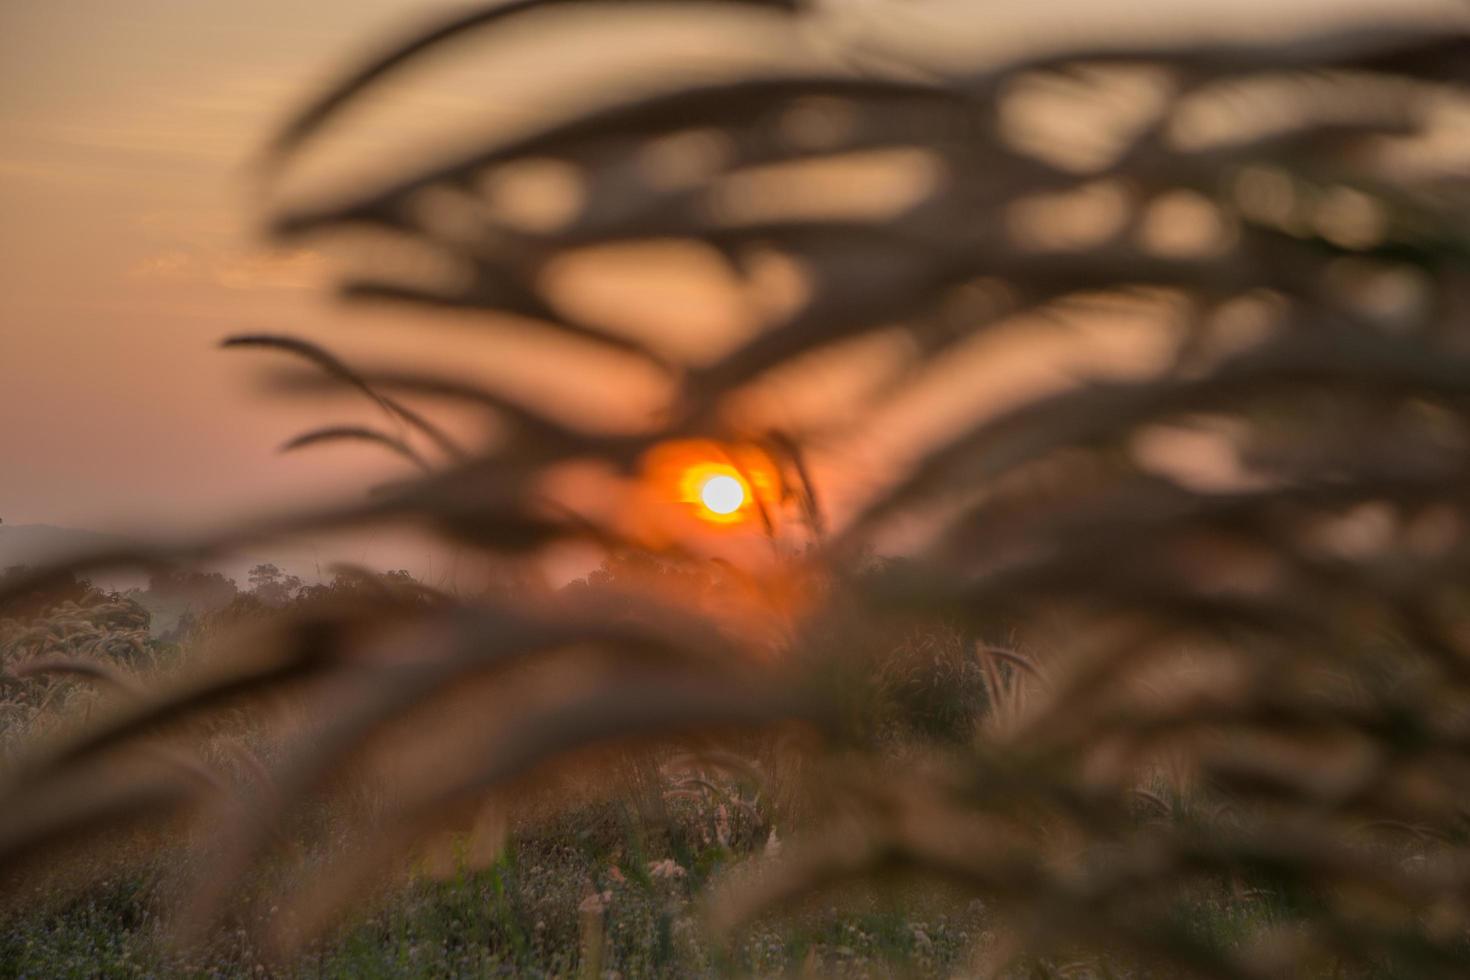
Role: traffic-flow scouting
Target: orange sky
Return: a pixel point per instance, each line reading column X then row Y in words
column 127, row 244
column 125, row 253
column 127, row 248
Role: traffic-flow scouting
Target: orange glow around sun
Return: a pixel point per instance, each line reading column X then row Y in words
column 719, row 484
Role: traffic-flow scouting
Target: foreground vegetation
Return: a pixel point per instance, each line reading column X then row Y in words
column 616, row 885
column 561, row 903
column 611, row 887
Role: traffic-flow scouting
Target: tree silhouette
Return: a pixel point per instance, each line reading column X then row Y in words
column 272, row 586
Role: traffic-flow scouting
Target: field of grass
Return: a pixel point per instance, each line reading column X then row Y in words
column 560, row 903
column 610, row 887
column 611, row 873
column 585, row 895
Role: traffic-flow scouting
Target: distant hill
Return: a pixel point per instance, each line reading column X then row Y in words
column 35, row 544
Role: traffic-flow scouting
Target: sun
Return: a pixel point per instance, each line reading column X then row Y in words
column 722, row 494
column 720, row 485
column 717, row 491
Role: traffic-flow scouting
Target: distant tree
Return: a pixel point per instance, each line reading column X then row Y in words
column 69, row 588
column 185, row 627
column 272, row 586
column 203, row 589
column 245, row 607
column 356, row 584
column 641, row 571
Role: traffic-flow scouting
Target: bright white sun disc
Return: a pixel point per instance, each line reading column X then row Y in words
column 722, row 494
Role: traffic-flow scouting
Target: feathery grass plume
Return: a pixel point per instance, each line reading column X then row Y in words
column 481, row 17
column 356, row 433
column 340, row 371
column 1152, row 638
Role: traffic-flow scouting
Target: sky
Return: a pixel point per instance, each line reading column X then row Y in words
column 129, row 241
column 129, row 247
